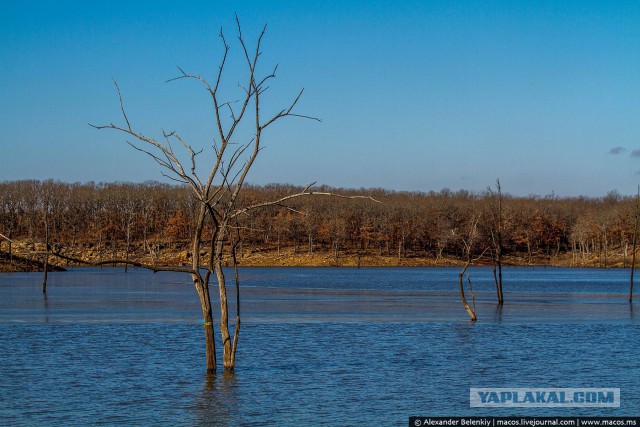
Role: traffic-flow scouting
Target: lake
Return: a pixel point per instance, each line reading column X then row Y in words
column 328, row 346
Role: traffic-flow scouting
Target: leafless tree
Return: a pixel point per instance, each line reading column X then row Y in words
column 635, row 244
column 468, row 241
column 217, row 194
column 496, row 240
column 9, row 213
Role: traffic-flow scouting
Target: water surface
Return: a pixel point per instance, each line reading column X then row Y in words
column 322, row 345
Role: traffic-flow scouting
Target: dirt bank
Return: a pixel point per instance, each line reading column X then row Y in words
column 176, row 254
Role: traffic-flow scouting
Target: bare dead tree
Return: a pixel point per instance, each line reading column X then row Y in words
column 496, row 240
column 9, row 213
column 635, row 244
column 217, row 194
column 234, row 256
column 49, row 198
column 468, row 243
column 46, row 252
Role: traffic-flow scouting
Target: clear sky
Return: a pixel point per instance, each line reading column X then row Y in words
column 413, row 95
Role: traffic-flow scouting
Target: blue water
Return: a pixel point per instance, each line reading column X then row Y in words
column 318, row 345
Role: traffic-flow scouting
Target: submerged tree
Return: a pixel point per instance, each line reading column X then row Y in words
column 635, row 244
column 468, row 241
column 496, row 240
column 217, row 203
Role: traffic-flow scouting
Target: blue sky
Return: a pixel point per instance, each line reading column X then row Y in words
column 413, row 95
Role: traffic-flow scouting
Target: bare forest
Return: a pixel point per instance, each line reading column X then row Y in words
column 153, row 222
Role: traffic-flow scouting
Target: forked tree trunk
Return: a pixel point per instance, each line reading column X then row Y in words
column 468, row 250
column 469, row 310
column 202, row 287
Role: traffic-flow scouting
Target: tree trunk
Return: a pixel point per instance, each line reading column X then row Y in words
column 635, row 245
column 497, row 278
column 207, row 323
column 44, row 279
column 606, row 250
column 227, row 354
column 497, row 275
column 99, row 249
column 236, row 332
column 202, row 287
column 499, row 246
column 46, row 255
column 501, row 298
column 600, row 254
column 633, row 260
column 126, row 251
column 114, row 248
column 472, row 313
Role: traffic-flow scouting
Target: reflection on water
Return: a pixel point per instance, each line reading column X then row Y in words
column 328, row 346
column 275, row 295
column 218, row 400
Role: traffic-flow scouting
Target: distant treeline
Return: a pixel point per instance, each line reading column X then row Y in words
column 111, row 216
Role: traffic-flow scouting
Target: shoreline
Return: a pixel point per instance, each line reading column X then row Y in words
column 176, row 256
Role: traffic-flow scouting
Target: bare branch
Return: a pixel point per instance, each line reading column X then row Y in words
column 7, row 239
column 181, row 181
column 236, row 155
column 289, row 208
column 270, row 76
column 121, row 104
column 287, row 112
column 112, row 261
column 158, row 160
column 153, row 268
column 305, row 117
column 306, row 192
column 479, row 257
column 193, row 157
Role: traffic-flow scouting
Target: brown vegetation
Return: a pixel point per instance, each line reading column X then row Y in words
column 152, row 222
